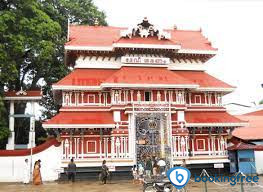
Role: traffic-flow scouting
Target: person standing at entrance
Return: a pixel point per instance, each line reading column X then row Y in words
column 26, row 178
column 104, row 172
column 72, row 168
column 148, row 167
column 161, row 163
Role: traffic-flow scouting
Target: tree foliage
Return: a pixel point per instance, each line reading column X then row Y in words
column 4, row 131
column 33, row 33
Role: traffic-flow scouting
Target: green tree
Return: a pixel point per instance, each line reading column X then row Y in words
column 33, row 33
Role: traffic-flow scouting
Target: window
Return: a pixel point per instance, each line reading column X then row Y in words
column 91, row 98
column 200, row 144
column 91, row 146
column 147, row 96
column 198, row 99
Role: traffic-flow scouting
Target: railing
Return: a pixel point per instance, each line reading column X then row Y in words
column 108, row 147
column 181, row 147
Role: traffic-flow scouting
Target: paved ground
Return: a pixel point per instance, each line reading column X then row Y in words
column 116, row 186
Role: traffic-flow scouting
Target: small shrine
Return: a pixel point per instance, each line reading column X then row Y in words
column 22, row 96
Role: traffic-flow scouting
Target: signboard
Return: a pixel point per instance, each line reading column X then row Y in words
column 151, row 107
column 146, row 60
column 111, row 168
column 218, row 165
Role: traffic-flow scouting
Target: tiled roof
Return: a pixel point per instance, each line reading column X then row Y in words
column 105, row 36
column 254, row 130
column 210, row 117
column 86, row 77
column 245, row 146
column 203, row 79
column 95, row 117
column 140, row 75
column 81, row 35
column 145, row 75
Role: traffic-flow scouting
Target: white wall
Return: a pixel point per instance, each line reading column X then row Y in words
column 259, row 161
column 11, row 168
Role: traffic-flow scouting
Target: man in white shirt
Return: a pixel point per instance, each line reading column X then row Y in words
column 161, row 163
column 26, row 178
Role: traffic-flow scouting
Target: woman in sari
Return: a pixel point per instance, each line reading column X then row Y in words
column 37, row 180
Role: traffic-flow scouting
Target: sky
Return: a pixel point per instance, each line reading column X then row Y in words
column 235, row 27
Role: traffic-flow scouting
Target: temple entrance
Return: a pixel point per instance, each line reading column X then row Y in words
column 152, row 137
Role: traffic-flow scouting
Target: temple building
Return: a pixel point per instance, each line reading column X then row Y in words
column 139, row 92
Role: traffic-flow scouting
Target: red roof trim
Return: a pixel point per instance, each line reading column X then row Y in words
column 26, row 152
column 30, row 93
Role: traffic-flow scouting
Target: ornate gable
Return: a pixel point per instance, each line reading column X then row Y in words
column 144, row 30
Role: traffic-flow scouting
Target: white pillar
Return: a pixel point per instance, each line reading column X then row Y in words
column 82, row 98
column 70, row 98
column 76, row 100
column 179, row 146
column 131, row 95
column 170, row 96
column 100, row 141
column 218, row 146
column 31, row 138
column 112, row 147
column 186, row 145
column 120, row 95
column 209, row 150
column 63, row 98
column 112, row 96
column 193, row 147
column 82, row 146
column 175, row 145
column 11, row 140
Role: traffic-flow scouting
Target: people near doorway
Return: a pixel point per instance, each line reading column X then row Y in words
column 161, row 163
column 37, row 179
column 148, row 167
column 140, row 173
column 72, row 168
column 26, row 178
column 135, row 174
column 155, row 170
column 104, row 172
column 183, row 163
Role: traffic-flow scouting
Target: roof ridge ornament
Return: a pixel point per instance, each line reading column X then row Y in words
column 144, row 30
